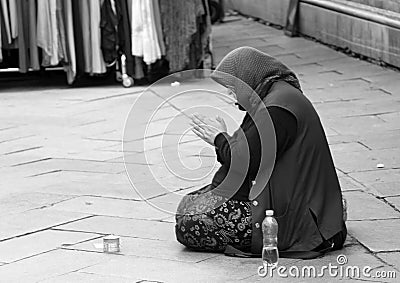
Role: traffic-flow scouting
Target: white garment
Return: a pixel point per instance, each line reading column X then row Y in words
column 144, row 33
column 13, row 18
column 4, row 9
column 47, row 32
column 137, row 28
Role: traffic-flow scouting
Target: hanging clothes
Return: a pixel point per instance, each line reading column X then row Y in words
column 23, row 35
column 6, row 18
column 33, row 49
column 70, row 68
column 157, row 23
column 111, row 23
column 1, row 51
column 98, row 64
column 178, row 37
column 85, row 27
column 77, row 38
column 144, row 34
column 12, row 6
column 90, row 25
column 61, row 37
column 48, row 32
column 126, row 35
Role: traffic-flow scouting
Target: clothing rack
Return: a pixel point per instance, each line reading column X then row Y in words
column 89, row 37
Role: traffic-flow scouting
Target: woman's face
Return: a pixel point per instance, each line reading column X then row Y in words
column 242, row 99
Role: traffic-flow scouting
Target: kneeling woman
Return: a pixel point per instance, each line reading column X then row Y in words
column 303, row 188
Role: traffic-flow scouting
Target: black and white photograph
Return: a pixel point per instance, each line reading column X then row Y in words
column 173, row 141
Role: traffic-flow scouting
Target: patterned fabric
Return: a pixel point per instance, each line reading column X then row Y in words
column 252, row 67
column 203, row 227
column 179, row 23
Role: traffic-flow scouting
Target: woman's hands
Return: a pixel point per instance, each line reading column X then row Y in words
column 207, row 129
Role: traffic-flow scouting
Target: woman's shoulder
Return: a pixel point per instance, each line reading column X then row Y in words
column 282, row 87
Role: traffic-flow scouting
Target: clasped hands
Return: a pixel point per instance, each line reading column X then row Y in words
column 206, row 128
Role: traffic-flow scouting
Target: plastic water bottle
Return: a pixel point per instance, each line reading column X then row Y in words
column 270, row 254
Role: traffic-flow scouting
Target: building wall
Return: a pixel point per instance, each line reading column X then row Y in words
column 362, row 35
column 390, row 5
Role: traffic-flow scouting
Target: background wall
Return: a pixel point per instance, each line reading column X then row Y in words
column 367, row 27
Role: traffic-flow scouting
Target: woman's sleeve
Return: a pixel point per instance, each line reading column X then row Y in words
column 285, row 125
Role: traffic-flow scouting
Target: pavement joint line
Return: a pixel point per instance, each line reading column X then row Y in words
column 98, row 139
column 78, row 231
column 72, row 271
column 51, row 204
column 382, row 199
column 384, row 91
column 371, row 170
column 50, row 250
column 18, row 138
column 370, row 114
column 101, row 235
column 117, row 276
column 31, row 162
column 361, row 143
column 376, row 255
column 64, row 246
column 114, row 96
column 91, row 172
column 374, row 219
column 331, row 71
column 354, row 79
column 211, row 257
column 44, row 229
column 389, row 204
column 361, row 244
column 8, row 128
column 109, row 216
column 353, row 190
column 89, row 123
column 31, row 256
column 44, row 173
column 107, row 197
column 23, row 150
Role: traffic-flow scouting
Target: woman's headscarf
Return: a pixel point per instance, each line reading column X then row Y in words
column 254, row 68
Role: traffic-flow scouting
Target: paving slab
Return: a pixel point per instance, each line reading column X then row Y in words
column 392, row 258
column 48, row 265
column 95, row 188
column 170, row 250
column 83, row 277
column 174, row 271
column 368, row 160
column 362, row 206
column 110, row 207
column 35, row 220
column 20, row 202
column 376, row 235
column 387, row 189
column 349, row 184
column 39, row 242
column 135, row 228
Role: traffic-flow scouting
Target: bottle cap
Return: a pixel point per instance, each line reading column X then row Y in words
column 269, row 212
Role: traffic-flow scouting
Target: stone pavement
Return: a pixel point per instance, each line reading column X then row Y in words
column 64, row 187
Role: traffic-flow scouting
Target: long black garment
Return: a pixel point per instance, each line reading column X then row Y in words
column 111, row 25
column 285, row 129
column 78, row 38
column 127, row 46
